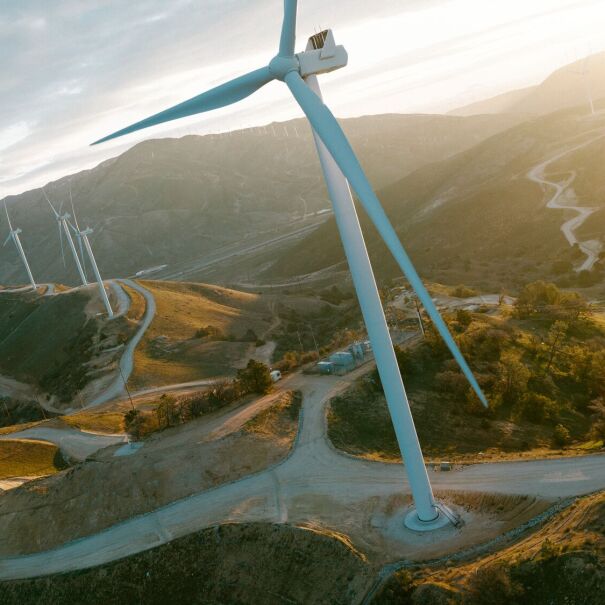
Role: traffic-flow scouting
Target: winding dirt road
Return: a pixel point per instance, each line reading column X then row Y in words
column 117, row 388
column 314, row 480
column 565, row 199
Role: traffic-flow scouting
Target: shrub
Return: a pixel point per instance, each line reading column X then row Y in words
column 561, row 435
column 492, row 585
column 211, row 332
column 167, row 411
column 463, row 292
column 255, row 378
column 133, row 423
column 537, row 408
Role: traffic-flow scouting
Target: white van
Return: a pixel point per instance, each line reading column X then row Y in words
column 275, row 375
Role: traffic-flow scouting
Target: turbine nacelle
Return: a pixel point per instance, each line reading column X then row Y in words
column 322, row 55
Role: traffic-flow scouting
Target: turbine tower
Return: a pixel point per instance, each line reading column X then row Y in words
column 64, row 229
column 82, row 236
column 14, row 235
column 341, row 169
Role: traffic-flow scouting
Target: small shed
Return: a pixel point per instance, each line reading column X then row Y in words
column 343, row 362
column 325, row 367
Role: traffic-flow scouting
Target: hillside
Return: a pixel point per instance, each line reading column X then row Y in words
column 54, row 346
column 168, row 201
column 567, row 87
column 477, row 218
column 206, row 331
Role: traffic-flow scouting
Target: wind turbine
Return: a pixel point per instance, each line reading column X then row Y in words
column 299, row 71
column 64, row 229
column 82, row 236
column 14, row 235
column 584, row 72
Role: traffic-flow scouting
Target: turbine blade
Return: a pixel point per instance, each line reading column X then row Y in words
column 222, row 95
column 8, row 239
column 8, row 218
column 287, row 41
column 50, row 203
column 328, row 129
column 73, row 214
column 61, row 240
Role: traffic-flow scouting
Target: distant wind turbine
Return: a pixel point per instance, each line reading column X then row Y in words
column 341, row 167
column 14, row 235
column 82, row 236
column 584, row 72
column 64, row 230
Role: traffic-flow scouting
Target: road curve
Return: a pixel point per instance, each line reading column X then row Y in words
column 116, row 389
column 73, row 442
column 591, row 248
column 314, row 473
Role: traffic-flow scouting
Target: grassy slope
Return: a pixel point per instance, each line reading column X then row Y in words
column 68, row 506
column 252, row 563
column 183, row 308
column 359, row 421
column 23, row 319
column 474, row 218
column 29, row 459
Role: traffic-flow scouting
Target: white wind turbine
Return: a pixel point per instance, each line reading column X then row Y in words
column 82, row 236
column 14, row 235
column 64, row 230
column 341, row 168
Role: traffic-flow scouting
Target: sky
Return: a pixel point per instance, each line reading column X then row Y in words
column 76, row 70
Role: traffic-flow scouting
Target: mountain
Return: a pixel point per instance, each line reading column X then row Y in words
column 168, row 201
column 478, row 218
column 565, row 88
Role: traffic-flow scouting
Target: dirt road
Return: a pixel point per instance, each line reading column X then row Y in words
column 564, row 198
column 314, row 484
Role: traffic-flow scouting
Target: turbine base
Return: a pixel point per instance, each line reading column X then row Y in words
column 443, row 519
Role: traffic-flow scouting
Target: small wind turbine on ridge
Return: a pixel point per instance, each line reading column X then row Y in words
column 14, row 235
column 64, row 230
column 299, row 72
column 82, row 236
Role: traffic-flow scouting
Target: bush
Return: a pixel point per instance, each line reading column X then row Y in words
column 167, row 412
column 255, row 378
column 492, row 585
column 210, row 332
column 538, row 408
column 133, row 424
column 561, row 435
column 463, row 292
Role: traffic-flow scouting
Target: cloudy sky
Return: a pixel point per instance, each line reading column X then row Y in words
column 75, row 70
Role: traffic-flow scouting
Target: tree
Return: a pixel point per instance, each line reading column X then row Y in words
column 561, row 435
column 464, row 318
column 537, row 408
column 492, row 585
column 597, row 407
column 514, row 377
column 555, row 340
column 255, row 378
column 133, row 423
column 167, row 411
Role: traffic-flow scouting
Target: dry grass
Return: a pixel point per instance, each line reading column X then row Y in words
column 137, row 304
column 278, row 419
column 29, row 459
column 183, row 308
column 109, row 422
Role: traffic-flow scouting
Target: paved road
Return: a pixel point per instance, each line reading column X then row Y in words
column 565, row 199
column 238, row 250
column 116, row 389
column 315, row 472
column 73, row 442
